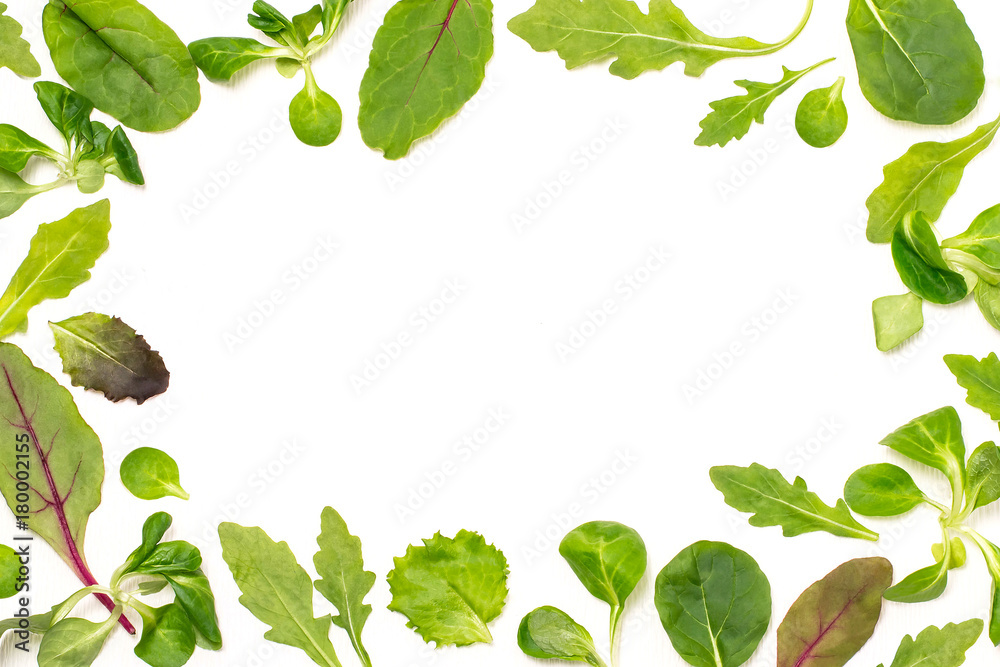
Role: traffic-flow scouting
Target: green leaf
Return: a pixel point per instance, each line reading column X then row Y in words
column 548, row 633
column 150, row 474
column 988, row 300
column 60, row 258
column 598, row 30
column 10, row 566
column 882, row 489
column 277, row 591
column 917, row 59
column 983, row 485
column 17, row 147
column 896, row 318
column 14, row 192
column 992, row 556
column 124, row 59
column 125, row 157
column 343, row 579
column 924, row 179
column 152, row 586
column 67, row 110
column 925, row 584
column 821, row 118
column 287, row 67
column 956, row 556
column 775, row 502
column 981, row 378
column 981, row 239
column 104, row 354
column 39, row 624
column 73, row 642
column 268, row 19
column 834, row 617
column 222, row 57
column 153, row 530
column 167, row 637
column 450, row 589
column 170, row 558
column 15, row 52
column 193, row 593
column 934, row 439
column 90, row 176
column 939, row 648
column 732, row 117
column 429, row 59
column 305, row 23
column 315, row 116
column 715, row 604
column 921, row 266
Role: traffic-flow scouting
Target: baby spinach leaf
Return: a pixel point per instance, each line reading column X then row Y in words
column 277, row 591
column 981, row 239
column 15, row 52
column 548, row 633
column 315, row 116
column 598, row 30
column 981, row 378
column 194, row 594
column 775, row 502
column 343, row 579
column 834, row 617
column 917, row 59
column 17, row 147
column 222, row 57
column 732, row 117
column 925, row 584
column 715, row 604
column 167, row 637
column 10, row 565
column 983, row 484
column 921, row 266
column 938, row 648
column 924, row 179
column 934, row 439
column 821, row 118
column 150, row 474
column 882, row 489
column 104, row 354
column 74, row 642
column 450, row 589
column 896, row 318
column 60, row 258
column 429, row 59
column 124, row 59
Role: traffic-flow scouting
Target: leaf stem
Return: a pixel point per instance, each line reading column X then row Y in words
column 777, row 46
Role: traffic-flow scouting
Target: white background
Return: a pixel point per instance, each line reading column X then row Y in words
column 190, row 261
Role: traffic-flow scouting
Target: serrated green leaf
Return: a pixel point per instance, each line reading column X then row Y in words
column 15, row 52
column 548, row 633
column 939, row 648
column 775, row 502
column 921, row 265
column 934, row 439
column 896, row 319
column 882, row 489
column 981, row 378
column 821, row 118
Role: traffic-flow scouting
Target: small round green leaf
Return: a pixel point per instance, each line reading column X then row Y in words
column 168, row 638
column 10, row 566
column 315, row 116
column 90, row 176
column 821, row 119
column 150, row 474
column 287, row 67
column 608, row 558
column 548, row 633
column 882, row 489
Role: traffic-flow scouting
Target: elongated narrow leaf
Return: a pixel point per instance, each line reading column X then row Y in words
column 15, row 52
column 935, row 647
column 222, row 57
column 896, row 319
column 17, row 147
column 927, row 583
column 775, row 502
column 548, row 633
column 934, row 439
column 60, row 258
column 429, row 58
column 981, row 378
column 732, row 117
column 277, row 591
column 343, row 579
column 924, row 179
column 834, row 617
column 585, row 31
column 715, row 604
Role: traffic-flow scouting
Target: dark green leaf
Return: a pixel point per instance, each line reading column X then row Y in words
column 67, row 110
column 171, row 558
column 194, row 594
column 128, row 161
column 167, row 637
column 920, row 264
column 153, row 530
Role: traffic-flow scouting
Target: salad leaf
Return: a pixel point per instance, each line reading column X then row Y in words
column 153, row 530
column 429, row 58
column 834, row 617
column 549, row 633
column 104, row 354
column 920, row 264
column 715, row 604
column 981, row 378
column 938, row 648
column 220, row 58
column 775, row 502
column 68, row 111
column 924, row 179
column 15, row 52
column 150, row 474
column 917, row 59
column 821, row 118
column 983, row 484
column 194, row 594
column 988, row 300
column 315, row 116
column 882, row 489
column 74, row 642
column 588, row 31
column 925, row 584
column 10, row 565
column 167, row 637
column 981, row 239
column 896, row 318
column 450, row 589
column 14, row 192
column 934, row 439
column 732, row 117
column 126, row 160
column 60, row 258
column 124, row 59
column 17, row 147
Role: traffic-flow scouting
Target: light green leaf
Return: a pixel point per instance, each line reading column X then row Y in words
column 167, row 637
column 222, row 57
column 10, row 566
column 306, row 23
column 429, row 59
column 921, row 265
column 925, row 584
column 14, row 192
column 981, row 239
column 988, row 300
column 992, row 556
column 74, row 642
column 775, row 502
column 150, row 474
column 956, row 556
column 981, row 378
column 882, row 489
column 821, row 118
column 60, row 258
column 548, row 633
column 287, row 67
column 450, row 589
column 315, row 116
column 17, row 147
column 896, row 318
column 90, row 176
column 153, row 530
column 983, row 485
column 15, row 52
column 939, row 648
column 934, row 439
column 732, row 117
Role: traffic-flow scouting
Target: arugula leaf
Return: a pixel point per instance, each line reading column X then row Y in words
column 715, row 604
column 548, row 633
column 882, row 489
column 938, row 648
column 10, row 565
column 124, row 59
column 917, row 59
column 150, row 474
column 277, row 591
column 167, row 637
column 775, row 502
column 343, row 579
column 732, row 117
column 896, row 319
column 983, row 484
column 834, row 617
column 981, row 239
column 981, row 378
column 921, row 266
column 934, row 439
column 429, row 58
column 15, row 52
column 60, row 258
column 821, row 118
column 222, row 57
column 924, row 179
column 104, row 354
column 588, row 31
column 74, row 642
column 450, row 589
column 17, row 147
